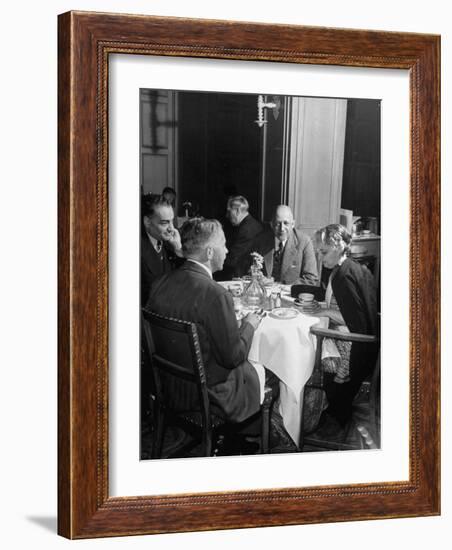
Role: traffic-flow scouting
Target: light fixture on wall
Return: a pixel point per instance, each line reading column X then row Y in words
column 261, row 105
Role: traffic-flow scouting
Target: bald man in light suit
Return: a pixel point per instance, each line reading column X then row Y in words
column 288, row 253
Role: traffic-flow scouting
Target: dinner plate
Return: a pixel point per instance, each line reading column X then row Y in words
column 283, row 313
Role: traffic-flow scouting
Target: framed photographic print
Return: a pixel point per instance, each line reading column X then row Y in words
column 228, row 194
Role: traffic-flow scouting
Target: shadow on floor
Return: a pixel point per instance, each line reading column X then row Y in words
column 49, row 523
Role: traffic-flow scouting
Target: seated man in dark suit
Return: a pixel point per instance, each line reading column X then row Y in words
column 240, row 237
column 288, row 253
column 189, row 293
column 159, row 253
column 160, row 241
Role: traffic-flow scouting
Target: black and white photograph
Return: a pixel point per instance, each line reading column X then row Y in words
column 173, row 377
column 259, row 273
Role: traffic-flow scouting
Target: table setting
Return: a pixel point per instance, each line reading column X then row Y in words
column 282, row 342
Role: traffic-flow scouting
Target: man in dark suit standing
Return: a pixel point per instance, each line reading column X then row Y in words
column 240, row 237
column 288, row 253
column 160, row 241
column 190, row 293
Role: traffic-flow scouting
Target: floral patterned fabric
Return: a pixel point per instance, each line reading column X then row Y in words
column 315, row 400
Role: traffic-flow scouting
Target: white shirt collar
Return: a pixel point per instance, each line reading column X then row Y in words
column 202, row 265
column 277, row 241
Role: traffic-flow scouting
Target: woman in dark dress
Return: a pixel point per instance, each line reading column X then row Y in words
column 353, row 288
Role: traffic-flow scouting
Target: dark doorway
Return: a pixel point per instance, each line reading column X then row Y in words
column 220, row 152
column 361, row 181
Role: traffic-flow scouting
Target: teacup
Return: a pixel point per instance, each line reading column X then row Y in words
column 306, row 297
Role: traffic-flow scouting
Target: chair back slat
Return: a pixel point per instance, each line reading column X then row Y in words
column 173, row 369
column 175, row 348
column 176, row 362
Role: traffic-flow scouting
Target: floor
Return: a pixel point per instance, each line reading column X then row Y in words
column 328, row 432
column 231, row 445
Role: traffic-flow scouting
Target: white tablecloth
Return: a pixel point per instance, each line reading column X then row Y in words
column 288, row 349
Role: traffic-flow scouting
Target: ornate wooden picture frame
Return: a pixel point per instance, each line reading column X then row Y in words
column 86, row 40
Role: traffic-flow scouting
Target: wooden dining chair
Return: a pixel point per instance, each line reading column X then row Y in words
column 364, row 429
column 180, row 387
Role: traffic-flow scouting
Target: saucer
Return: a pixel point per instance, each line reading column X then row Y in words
column 283, row 313
column 307, row 307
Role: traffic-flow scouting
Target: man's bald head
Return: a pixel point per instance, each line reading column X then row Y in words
column 283, row 222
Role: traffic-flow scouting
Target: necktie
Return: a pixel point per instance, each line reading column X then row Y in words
column 159, row 249
column 277, row 260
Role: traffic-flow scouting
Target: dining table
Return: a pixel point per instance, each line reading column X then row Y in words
column 283, row 344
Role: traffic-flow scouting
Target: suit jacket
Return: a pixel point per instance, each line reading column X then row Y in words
column 354, row 289
column 239, row 241
column 299, row 264
column 189, row 294
column 152, row 265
